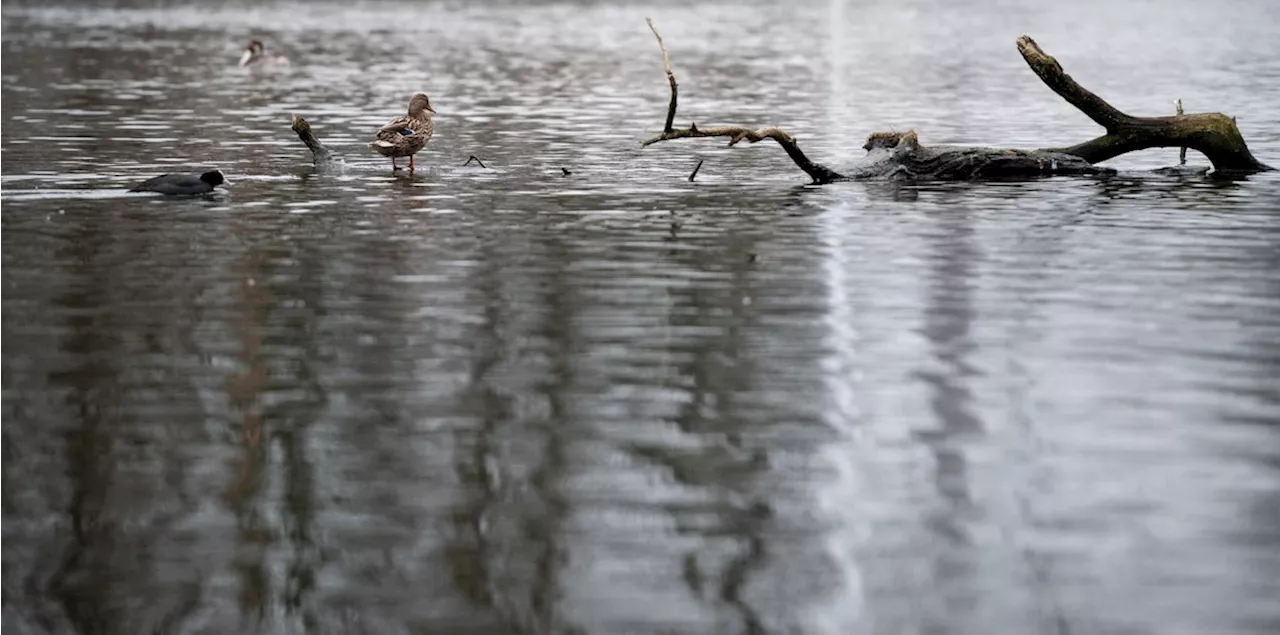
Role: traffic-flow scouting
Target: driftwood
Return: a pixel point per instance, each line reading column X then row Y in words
column 1214, row 134
column 900, row 155
column 818, row 172
column 322, row 157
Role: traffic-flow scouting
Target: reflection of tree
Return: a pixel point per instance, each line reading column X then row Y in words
column 244, row 389
column 711, row 322
column 719, row 370
column 279, row 398
column 948, row 320
column 512, row 556
column 124, row 466
column 1260, row 516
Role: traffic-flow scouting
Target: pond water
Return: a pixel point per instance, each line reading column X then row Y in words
column 511, row 400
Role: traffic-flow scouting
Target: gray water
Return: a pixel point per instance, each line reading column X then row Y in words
column 507, row 400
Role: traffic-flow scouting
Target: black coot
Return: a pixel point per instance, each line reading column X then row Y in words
column 182, row 183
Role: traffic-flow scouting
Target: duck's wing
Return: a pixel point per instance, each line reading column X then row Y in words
column 396, row 125
column 404, row 132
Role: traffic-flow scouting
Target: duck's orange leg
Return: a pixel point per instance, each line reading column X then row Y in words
column 411, row 163
column 394, row 167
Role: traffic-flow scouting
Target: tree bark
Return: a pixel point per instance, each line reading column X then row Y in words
column 1214, row 134
column 899, row 155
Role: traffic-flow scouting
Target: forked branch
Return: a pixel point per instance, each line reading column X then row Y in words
column 816, row 171
column 1213, row 134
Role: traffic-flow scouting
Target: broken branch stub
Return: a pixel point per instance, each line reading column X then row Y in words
column 319, row 153
column 1213, row 134
column 816, row 171
column 1182, row 152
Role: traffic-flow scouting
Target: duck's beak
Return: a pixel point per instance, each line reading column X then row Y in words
column 245, row 57
column 430, row 109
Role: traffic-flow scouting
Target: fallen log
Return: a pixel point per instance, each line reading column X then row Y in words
column 900, row 155
column 1213, row 134
column 895, row 155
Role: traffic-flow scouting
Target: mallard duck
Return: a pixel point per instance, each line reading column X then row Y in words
column 404, row 136
column 182, row 184
column 256, row 56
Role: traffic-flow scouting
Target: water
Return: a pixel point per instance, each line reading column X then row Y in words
column 507, row 400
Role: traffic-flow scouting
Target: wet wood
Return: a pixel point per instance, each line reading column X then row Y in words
column 694, row 174
column 320, row 155
column 900, row 155
column 1214, row 134
column 893, row 155
column 816, row 171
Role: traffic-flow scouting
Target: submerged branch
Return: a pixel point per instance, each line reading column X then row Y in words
column 694, row 174
column 816, row 171
column 319, row 153
column 1213, row 134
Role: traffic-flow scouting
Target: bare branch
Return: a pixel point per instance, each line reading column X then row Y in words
column 816, row 171
column 693, row 175
column 1213, row 134
column 671, row 77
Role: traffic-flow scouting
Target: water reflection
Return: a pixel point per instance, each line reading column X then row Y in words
column 510, row 400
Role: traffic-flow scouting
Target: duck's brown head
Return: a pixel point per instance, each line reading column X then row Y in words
column 418, row 104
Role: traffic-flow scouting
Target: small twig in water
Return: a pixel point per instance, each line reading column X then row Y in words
column 1182, row 152
column 695, row 170
column 565, row 171
column 477, row 160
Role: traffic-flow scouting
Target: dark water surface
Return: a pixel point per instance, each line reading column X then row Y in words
column 513, row 401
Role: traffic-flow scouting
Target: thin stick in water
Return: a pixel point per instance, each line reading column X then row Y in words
column 695, row 171
column 671, row 77
column 1182, row 152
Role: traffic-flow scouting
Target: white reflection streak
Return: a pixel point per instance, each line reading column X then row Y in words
column 845, row 611
column 841, row 496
